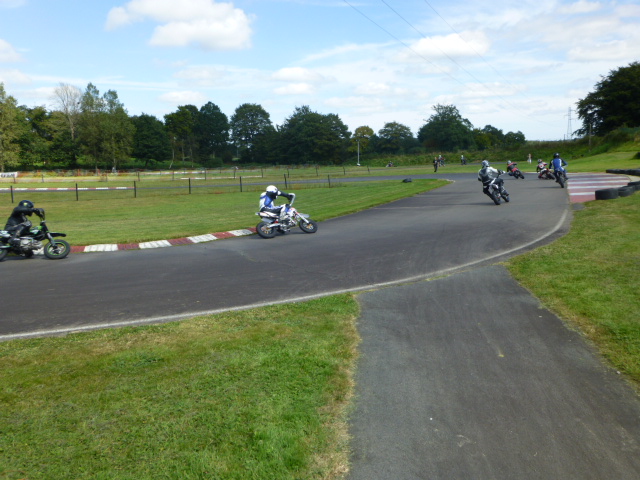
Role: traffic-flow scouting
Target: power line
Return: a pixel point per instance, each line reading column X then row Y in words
column 403, row 43
column 430, row 62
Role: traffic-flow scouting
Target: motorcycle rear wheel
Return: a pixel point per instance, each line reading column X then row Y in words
column 495, row 197
column 309, row 227
column 560, row 180
column 265, row 230
column 58, row 251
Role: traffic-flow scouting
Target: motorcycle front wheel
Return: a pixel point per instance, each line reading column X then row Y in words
column 309, row 226
column 3, row 253
column 58, row 250
column 559, row 179
column 265, row 230
column 495, row 197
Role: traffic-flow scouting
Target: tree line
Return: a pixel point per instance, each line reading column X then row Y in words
column 87, row 129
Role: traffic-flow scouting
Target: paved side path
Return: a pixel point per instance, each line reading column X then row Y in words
column 468, row 377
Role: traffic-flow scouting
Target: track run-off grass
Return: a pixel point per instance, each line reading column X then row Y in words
column 114, row 218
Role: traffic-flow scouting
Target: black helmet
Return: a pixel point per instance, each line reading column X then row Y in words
column 556, row 155
column 26, row 203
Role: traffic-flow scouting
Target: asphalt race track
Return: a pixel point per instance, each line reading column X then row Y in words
column 414, row 238
column 462, row 374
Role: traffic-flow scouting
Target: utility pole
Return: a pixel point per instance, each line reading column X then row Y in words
column 569, row 129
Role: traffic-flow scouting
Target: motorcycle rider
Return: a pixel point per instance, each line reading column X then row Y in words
column 558, row 165
column 486, row 174
column 18, row 222
column 268, row 197
column 511, row 166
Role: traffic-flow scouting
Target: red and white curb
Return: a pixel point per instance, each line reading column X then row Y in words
column 582, row 186
column 209, row 237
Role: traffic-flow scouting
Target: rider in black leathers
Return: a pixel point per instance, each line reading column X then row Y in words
column 18, row 222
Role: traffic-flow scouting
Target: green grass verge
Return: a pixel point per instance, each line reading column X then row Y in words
column 259, row 394
column 115, row 217
column 591, row 278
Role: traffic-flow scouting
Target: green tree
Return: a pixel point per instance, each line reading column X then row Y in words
column 311, row 137
column 180, row 125
column 494, row 135
column 249, row 121
column 150, row 141
column 9, row 130
column 211, row 130
column 90, row 132
column 361, row 139
column 514, row 139
column 67, row 99
column 36, row 136
column 395, row 137
column 446, row 130
column 118, row 130
column 614, row 103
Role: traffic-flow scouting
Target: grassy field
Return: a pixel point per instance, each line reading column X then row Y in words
column 260, row 394
column 117, row 219
column 591, row 278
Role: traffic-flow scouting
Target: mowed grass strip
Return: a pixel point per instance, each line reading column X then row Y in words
column 591, row 277
column 117, row 217
column 258, row 394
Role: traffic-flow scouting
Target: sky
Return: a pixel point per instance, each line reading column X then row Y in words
column 515, row 65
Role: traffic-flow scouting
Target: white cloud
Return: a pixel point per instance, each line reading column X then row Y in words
column 295, row 89
column 445, row 46
column 12, row 3
column 185, row 97
column 298, row 74
column 205, row 23
column 8, row 53
column 373, row 88
column 202, row 75
column 14, row 77
column 582, row 6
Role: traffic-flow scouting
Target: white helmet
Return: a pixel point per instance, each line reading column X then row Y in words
column 272, row 191
column 485, row 163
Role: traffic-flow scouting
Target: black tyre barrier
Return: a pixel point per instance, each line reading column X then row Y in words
column 407, row 180
column 626, row 191
column 620, row 171
column 635, row 185
column 607, row 194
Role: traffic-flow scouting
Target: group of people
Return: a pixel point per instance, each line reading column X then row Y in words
column 487, row 173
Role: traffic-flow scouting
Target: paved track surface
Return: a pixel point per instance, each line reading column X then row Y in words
column 416, row 237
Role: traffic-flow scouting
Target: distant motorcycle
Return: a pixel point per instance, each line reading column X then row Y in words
column 495, row 192
column 514, row 171
column 544, row 173
column 561, row 177
column 273, row 223
column 33, row 240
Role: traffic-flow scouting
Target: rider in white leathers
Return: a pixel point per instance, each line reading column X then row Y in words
column 267, row 200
